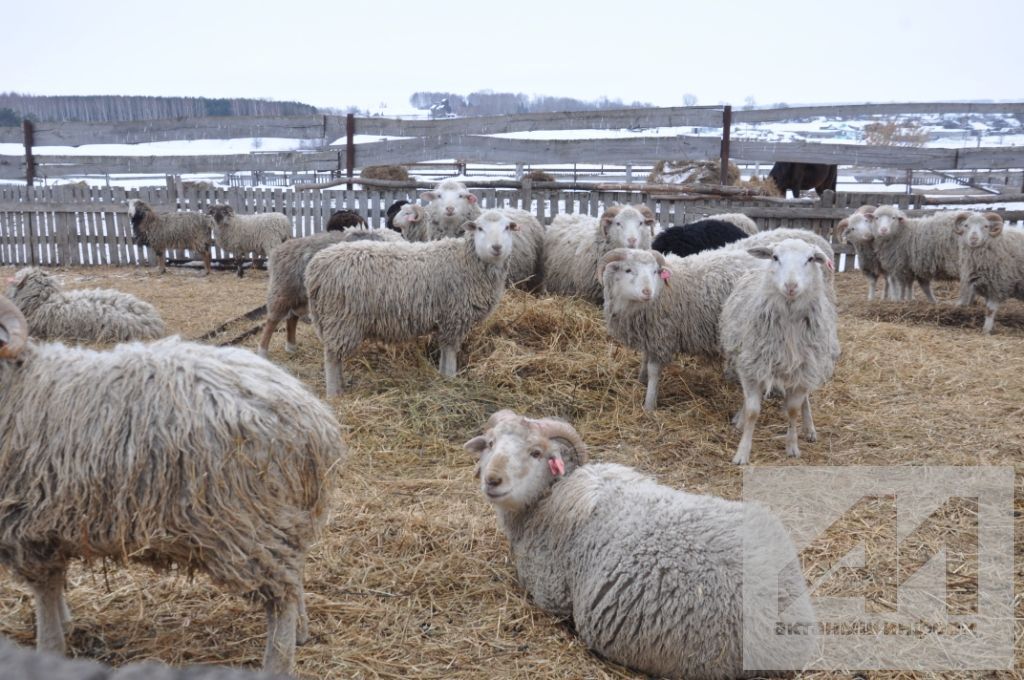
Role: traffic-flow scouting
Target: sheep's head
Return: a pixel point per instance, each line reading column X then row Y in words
column 451, row 202
column 492, row 235
column 221, row 213
column 408, row 215
column 39, row 285
column 520, row 458
column 795, row 266
column 137, row 211
column 975, row 229
column 886, row 221
column 13, row 330
column 628, row 226
column 856, row 228
column 632, row 276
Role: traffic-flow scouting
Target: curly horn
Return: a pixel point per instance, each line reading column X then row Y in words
column 616, row 255
column 559, row 429
column 13, row 324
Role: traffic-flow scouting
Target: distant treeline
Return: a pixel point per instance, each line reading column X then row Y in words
column 109, row 108
column 487, row 103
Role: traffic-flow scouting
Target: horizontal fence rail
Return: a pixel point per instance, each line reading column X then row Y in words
column 74, row 225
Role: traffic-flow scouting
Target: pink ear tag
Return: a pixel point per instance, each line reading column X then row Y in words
column 556, row 466
column 665, row 275
column 830, row 265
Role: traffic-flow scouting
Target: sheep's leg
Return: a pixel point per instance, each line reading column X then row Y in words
column 926, row 288
column 966, row 292
column 51, row 613
column 908, row 289
column 751, row 409
column 290, row 324
column 161, row 263
column 737, row 419
column 643, row 368
column 332, row 372
column 796, row 399
column 810, row 434
column 990, row 318
column 282, row 619
column 302, row 630
column 448, row 364
column 872, row 282
column 653, row 374
column 268, row 332
column 241, row 264
column 206, row 262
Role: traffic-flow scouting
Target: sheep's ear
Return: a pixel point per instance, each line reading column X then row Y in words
column 472, row 198
column 958, row 222
column 841, row 227
column 869, row 216
column 761, row 252
column 648, row 215
column 819, row 256
column 513, row 226
column 866, row 209
column 660, row 259
column 995, row 223
column 469, row 226
column 428, row 196
column 476, row 445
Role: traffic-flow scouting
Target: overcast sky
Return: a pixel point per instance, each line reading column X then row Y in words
column 366, row 54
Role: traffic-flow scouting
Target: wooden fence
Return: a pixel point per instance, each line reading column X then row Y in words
column 472, row 139
column 74, row 225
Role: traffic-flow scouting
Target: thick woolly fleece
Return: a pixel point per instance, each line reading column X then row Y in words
column 654, row 577
column 922, row 249
column 397, row 291
column 748, row 225
column 95, row 315
column 526, row 263
column 696, row 237
column 996, row 267
column 258, row 234
column 209, row 458
column 169, row 231
column 684, row 315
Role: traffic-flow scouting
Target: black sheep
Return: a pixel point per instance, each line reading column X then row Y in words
column 693, row 238
column 343, row 219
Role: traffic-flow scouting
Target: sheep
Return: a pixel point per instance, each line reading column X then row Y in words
column 773, row 236
column 18, row 663
column 243, row 235
column 664, row 305
column 413, row 221
column 919, row 249
column 208, row 458
column 991, row 260
column 695, row 237
column 449, row 206
column 575, row 244
column 286, row 292
column 856, row 230
column 668, row 583
column 391, row 212
column 95, row 315
column 740, row 220
column 778, row 331
column 165, row 231
column 526, row 262
column 341, row 220
column 396, row 291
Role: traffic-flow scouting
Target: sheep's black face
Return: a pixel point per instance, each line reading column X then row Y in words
column 220, row 213
column 138, row 238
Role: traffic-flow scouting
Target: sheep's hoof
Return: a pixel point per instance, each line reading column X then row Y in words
column 741, row 458
column 810, row 436
column 793, row 451
column 291, row 347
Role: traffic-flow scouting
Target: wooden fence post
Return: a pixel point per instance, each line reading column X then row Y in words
column 30, row 161
column 350, row 147
column 726, row 131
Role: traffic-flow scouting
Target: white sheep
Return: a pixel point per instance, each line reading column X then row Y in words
column 286, row 292
column 171, row 453
column 91, row 315
column 166, row 231
column 249, row 235
column 668, row 583
column 856, row 230
column 922, row 249
column 778, row 331
column 991, row 260
column 413, row 221
column 397, row 291
column 574, row 245
column 740, row 220
column 663, row 306
column 449, row 206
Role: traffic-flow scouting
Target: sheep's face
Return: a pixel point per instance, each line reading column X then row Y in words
column 517, row 463
column 858, row 229
column 628, row 227
column 492, row 236
column 886, row 221
column 632, row 276
column 451, row 202
column 794, row 266
column 975, row 229
column 408, row 215
column 221, row 213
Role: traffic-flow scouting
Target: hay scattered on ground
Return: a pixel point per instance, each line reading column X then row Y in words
column 413, row 579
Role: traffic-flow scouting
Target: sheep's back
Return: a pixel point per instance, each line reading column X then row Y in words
column 97, row 315
column 190, row 230
column 572, row 251
column 287, row 264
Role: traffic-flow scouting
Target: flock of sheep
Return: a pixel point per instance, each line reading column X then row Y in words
column 223, row 461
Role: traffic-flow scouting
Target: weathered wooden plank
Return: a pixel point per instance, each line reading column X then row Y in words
column 861, row 111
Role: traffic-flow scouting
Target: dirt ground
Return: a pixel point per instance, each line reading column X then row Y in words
column 413, row 578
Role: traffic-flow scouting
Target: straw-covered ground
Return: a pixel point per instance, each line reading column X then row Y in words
column 413, row 579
